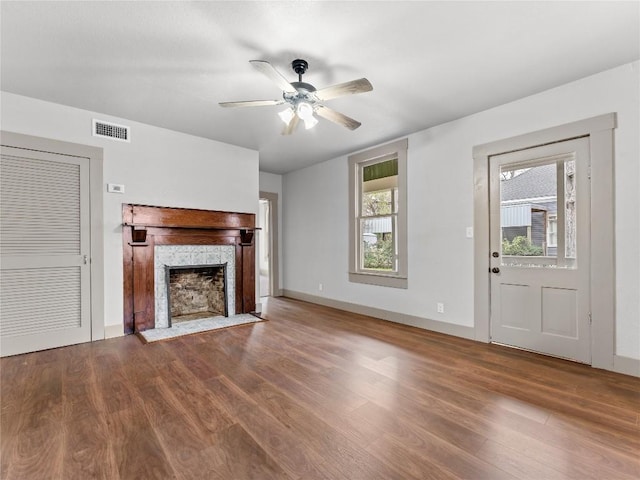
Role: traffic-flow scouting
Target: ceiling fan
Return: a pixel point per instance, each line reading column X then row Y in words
column 303, row 99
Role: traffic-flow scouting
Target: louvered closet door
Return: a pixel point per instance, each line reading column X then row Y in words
column 44, row 251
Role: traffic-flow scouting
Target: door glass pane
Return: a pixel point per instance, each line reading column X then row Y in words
column 378, row 244
column 528, row 212
column 538, row 213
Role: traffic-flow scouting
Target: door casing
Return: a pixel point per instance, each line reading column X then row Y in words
column 95, row 155
column 602, row 277
column 274, row 259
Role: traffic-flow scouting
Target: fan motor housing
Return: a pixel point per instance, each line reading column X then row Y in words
column 305, row 93
column 303, row 87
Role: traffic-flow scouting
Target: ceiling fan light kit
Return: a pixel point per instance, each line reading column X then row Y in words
column 286, row 115
column 304, row 99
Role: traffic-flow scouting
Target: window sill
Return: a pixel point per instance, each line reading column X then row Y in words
column 381, row 280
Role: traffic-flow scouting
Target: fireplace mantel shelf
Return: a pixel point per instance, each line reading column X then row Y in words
column 144, row 216
column 202, row 227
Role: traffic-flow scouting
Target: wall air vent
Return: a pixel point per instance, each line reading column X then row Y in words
column 111, row 130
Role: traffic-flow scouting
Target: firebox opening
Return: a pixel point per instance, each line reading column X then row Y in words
column 196, row 291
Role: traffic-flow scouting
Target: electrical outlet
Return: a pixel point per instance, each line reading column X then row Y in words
column 440, row 307
column 320, row 287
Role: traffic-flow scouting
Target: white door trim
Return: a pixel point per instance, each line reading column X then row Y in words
column 274, row 257
column 602, row 279
column 95, row 155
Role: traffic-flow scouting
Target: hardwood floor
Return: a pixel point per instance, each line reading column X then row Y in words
column 314, row 393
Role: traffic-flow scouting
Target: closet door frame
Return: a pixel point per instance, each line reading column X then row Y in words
column 95, row 156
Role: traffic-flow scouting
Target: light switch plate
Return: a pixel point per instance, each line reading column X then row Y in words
column 115, row 188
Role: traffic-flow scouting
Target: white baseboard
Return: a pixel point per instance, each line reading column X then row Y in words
column 113, row 331
column 411, row 320
column 626, row 365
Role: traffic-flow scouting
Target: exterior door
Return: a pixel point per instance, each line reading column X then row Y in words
column 540, row 249
column 44, row 250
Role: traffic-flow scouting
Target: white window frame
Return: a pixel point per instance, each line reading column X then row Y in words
column 399, row 278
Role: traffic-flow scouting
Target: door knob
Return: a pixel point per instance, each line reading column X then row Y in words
column 495, row 270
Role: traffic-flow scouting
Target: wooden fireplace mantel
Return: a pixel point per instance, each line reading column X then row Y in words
column 146, row 226
column 146, row 216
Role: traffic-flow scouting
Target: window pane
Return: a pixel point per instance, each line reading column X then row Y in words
column 379, row 189
column 378, row 170
column 378, row 245
column 377, row 203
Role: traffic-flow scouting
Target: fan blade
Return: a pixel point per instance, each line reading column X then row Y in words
column 252, row 103
column 267, row 69
column 348, row 88
column 337, row 117
column 290, row 128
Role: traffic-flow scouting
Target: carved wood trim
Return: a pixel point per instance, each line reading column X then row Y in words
column 180, row 226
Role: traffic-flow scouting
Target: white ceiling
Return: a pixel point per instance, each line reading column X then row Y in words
column 170, row 63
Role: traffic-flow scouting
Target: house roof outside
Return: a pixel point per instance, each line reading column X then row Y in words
column 537, row 182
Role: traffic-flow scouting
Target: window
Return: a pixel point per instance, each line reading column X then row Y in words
column 378, row 216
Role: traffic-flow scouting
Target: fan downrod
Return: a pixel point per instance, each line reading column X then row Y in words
column 300, row 67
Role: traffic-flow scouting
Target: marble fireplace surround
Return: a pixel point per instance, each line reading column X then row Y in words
column 190, row 255
column 147, row 227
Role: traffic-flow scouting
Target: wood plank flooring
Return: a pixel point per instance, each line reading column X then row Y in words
column 314, row 393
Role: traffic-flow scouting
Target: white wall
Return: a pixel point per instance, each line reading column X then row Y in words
column 159, row 167
column 440, row 207
column 272, row 183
